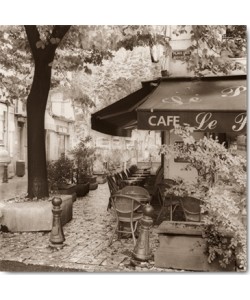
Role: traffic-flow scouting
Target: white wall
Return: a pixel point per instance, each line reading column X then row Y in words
column 59, row 118
column 174, row 169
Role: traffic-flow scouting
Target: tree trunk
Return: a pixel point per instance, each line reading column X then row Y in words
column 36, row 106
column 43, row 54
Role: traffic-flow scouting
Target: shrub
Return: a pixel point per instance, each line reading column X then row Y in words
column 221, row 186
column 59, row 172
column 84, row 155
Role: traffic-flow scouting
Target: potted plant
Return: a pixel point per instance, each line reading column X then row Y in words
column 84, row 155
column 60, row 175
column 221, row 185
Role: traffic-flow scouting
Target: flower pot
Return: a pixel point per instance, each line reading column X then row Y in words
column 82, row 189
column 91, row 179
column 101, row 178
column 66, row 189
column 93, row 186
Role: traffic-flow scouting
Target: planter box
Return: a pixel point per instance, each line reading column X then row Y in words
column 34, row 216
column 82, row 189
column 182, row 247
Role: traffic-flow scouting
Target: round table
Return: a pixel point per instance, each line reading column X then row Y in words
column 143, row 199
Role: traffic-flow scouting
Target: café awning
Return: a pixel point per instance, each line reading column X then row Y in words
column 120, row 118
column 211, row 104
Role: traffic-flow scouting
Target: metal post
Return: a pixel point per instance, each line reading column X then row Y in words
column 5, row 173
column 142, row 249
column 57, row 236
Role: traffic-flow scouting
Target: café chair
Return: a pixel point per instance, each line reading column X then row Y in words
column 152, row 181
column 166, row 200
column 125, row 208
column 192, row 208
column 113, row 189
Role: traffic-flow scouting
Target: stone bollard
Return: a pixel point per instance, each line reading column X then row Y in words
column 57, row 236
column 142, row 249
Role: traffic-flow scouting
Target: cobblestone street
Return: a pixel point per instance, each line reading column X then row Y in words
column 86, row 241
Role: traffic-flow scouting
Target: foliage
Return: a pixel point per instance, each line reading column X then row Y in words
column 100, row 165
column 84, row 155
column 88, row 46
column 59, row 172
column 113, row 159
column 225, row 209
column 221, row 185
column 213, row 46
column 16, row 67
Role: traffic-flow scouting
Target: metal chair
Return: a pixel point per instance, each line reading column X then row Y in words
column 192, row 208
column 113, row 189
column 152, row 182
column 125, row 208
column 166, row 200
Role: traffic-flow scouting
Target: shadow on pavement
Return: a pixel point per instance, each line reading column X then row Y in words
column 15, row 266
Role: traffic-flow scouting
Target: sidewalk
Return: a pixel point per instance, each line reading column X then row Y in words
column 86, row 240
column 15, row 186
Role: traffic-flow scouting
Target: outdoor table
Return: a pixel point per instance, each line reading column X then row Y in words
column 144, row 173
column 138, row 176
column 143, row 199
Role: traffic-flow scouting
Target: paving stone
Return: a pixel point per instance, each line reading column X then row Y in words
column 86, row 241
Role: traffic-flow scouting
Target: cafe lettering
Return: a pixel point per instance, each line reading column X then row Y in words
column 210, row 104
column 202, row 121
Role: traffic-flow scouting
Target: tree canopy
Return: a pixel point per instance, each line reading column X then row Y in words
column 35, row 59
column 211, row 49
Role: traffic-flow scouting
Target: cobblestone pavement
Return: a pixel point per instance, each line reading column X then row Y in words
column 14, row 187
column 86, row 242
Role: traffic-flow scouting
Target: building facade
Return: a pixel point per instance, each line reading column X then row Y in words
column 175, row 64
column 13, row 134
column 59, row 125
column 59, row 129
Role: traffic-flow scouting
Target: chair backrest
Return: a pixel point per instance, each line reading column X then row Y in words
column 117, row 179
column 124, row 175
column 160, row 194
column 158, row 179
column 192, row 208
column 129, row 174
column 134, row 189
column 125, row 204
column 113, row 187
